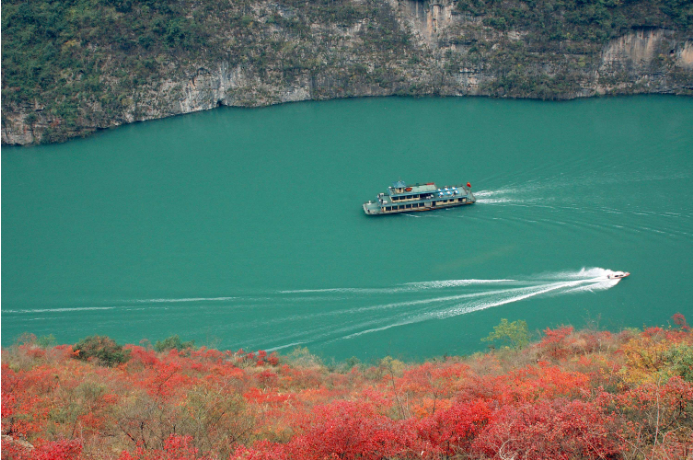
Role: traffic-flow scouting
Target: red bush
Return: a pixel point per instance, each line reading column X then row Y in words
column 556, row 429
column 453, row 430
column 175, row 448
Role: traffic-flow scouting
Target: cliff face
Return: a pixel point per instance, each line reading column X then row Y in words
column 387, row 47
column 653, row 61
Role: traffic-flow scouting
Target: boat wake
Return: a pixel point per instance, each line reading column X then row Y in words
column 462, row 297
column 317, row 316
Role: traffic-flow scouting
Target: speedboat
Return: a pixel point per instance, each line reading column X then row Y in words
column 617, row 275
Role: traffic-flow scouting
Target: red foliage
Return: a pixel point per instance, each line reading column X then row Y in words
column 452, row 431
column 556, row 341
column 166, row 380
column 345, row 430
column 267, row 378
column 59, row 450
column 680, row 321
column 56, row 450
column 141, row 356
column 548, row 403
column 273, row 360
column 556, row 429
column 175, row 448
column 651, row 332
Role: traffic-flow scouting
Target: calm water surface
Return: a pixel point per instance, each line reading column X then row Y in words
column 243, row 228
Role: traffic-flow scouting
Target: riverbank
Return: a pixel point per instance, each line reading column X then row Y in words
column 571, row 394
column 70, row 69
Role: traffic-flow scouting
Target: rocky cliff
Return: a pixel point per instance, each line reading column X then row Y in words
column 279, row 52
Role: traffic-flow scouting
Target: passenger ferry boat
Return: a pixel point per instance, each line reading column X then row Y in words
column 401, row 197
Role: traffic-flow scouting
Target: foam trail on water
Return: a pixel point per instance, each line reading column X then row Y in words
column 469, row 308
column 411, row 303
column 58, row 310
column 489, row 193
column 584, row 274
column 529, row 292
column 586, row 280
column 191, row 299
column 346, row 290
column 284, row 346
column 504, row 195
column 407, row 287
column 454, row 283
column 599, row 286
column 372, row 308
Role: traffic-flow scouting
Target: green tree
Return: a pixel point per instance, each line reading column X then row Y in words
column 681, row 359
column 173, row 342
column 515, row 333
column 46, row 341
column 102, row 348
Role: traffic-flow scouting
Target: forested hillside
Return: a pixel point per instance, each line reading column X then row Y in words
column 70, row 67
column 586, row 394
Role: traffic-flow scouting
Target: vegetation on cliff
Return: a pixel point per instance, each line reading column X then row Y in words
column 86, row 58
column 572, row 395
column 72, row 66
column 565, row 36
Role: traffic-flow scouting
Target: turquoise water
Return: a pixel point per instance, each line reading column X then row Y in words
column 244, row 228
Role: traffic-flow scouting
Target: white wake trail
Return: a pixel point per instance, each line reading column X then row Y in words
column 59, row 310
column 407, row 287
column 190, row 299
column 455, row 283
column 585, row 280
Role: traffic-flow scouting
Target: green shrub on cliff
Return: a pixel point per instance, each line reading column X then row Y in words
column 591, row 20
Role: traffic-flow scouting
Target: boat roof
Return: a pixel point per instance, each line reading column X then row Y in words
column 416, row 188
column 426, row 188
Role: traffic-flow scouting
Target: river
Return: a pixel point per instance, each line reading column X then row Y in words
column 244, row 228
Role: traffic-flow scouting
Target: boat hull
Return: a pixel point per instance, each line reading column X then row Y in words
column 405, row 211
